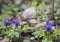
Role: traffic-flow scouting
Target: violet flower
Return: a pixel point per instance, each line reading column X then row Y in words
column 8, row 23
column 48, row 29
column 49, row 26
column 15, row 22
column 48, row 23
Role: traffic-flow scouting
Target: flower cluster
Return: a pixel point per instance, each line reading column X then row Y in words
column 8, row 23
column 15, row 22
column 49, row 26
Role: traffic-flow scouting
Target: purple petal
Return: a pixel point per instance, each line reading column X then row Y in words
column 48, row 29
column 15, row 21
column 17, row 24
column 47, row 22
column 8, row 23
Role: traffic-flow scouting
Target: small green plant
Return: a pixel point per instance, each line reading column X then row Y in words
column 47, row 36
column 11, row 33
column 16, row 32
column 25, row 28
column 26, row 40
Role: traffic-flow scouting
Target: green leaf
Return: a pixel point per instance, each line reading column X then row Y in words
column 26, row 40
column 1, row 17
column 25, row 28
column 16, row 34
column 56, row 32
column 34, row 3
column 32, row 38
column 47, row 40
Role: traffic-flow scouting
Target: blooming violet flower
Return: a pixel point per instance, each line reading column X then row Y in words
column 49, row 26
column 17, row 25
column 49, row 23
column 48, row 29
column 15, row 22
column 8, row 23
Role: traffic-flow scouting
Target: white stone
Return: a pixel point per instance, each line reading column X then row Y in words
column 32, row 21
column 29, row 13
